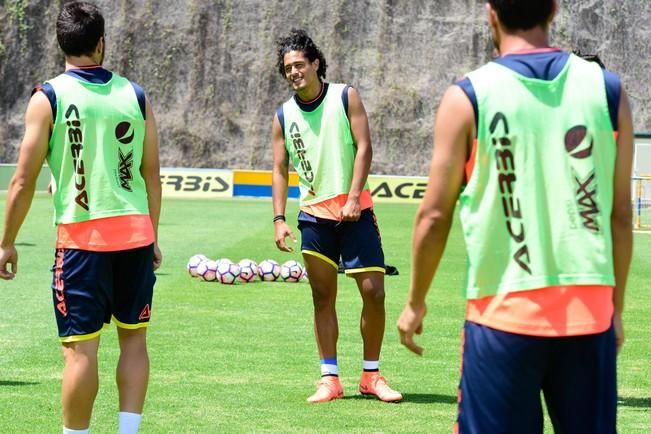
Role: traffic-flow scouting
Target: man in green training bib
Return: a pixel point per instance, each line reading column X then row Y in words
column 98, row 133
column 536, row 145
column 323, row 129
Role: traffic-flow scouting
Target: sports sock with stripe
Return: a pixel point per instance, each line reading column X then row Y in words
column 329, row 367
column 371, row 365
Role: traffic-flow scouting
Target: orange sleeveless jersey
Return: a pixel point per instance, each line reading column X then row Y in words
column 331, row 208
column 107, row 234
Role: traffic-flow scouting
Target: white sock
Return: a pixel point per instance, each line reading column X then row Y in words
column 371, row 365
column 128, row 422
column 329, row 367
column 75, row 431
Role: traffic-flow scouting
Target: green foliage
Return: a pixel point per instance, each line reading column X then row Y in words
column 17, row 10
column 227, row 20
column 243, row 358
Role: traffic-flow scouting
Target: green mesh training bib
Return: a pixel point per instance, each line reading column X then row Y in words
column 96, row 149
column 536, row 209
column 320, row 146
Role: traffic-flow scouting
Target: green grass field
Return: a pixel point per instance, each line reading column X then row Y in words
column 243, row 358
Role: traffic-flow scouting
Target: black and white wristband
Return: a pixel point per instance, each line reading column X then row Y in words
column 279, row 217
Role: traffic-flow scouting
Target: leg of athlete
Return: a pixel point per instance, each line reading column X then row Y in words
column 132, row 374
column 371, row 288
column 80, row 382
column 323, row 281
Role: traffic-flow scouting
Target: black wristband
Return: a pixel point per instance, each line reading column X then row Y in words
column 279, row 217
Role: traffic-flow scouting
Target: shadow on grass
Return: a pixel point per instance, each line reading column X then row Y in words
column 433, row 398
column 417, row 398
column 16, row 383
column 26, row 244
column 634, row 402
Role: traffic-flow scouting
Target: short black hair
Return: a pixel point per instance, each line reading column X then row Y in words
column 523, row 14
column 79, row 27
column 298, row 40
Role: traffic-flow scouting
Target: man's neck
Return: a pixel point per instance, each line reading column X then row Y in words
column 309, row 95
column 74, row 62
column 523, row 40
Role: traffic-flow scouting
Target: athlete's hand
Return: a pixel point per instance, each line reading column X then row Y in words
column 410, row 323
column 283, row 231
column 158, row 257
column 351, row 210
column 8, row 255
column 619, row 331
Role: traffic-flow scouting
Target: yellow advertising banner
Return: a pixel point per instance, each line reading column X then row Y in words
column 397, row 189
column 196, row 183
column 259, row 177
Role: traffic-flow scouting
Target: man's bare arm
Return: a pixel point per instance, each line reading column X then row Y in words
column 150, row 170
column 622, row 213
column 33, row 150
column 453, row 136
column 279, row 185
column 362, row 138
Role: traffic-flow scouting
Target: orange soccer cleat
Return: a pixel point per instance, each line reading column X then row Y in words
column 372, row 383
column 329, row 388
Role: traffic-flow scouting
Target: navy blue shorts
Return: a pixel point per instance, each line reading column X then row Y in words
column 358, row 244
column 502, row 375
column 88, row 288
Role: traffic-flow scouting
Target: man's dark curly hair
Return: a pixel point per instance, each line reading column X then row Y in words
column 298, row 40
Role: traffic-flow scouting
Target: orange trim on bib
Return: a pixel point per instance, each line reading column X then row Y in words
column 470, row 164
column 554, row 311
column 331, row 208
column 107, row 234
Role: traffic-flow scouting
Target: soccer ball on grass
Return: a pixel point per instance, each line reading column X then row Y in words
column 227, row 272
column 291, row 271
column 268, row 270
column 193, row 262
column 207, row 270
column 248, row 270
